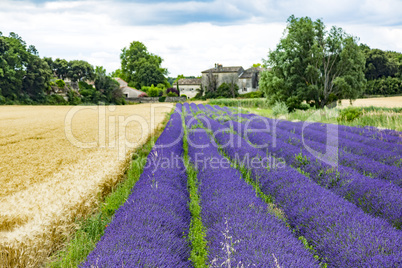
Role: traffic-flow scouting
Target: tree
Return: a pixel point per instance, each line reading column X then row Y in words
column 37, row 78
column 141, row 68
column 313, row 65
column 60, row 68
column 231, row 81
column 108, row 89
column 227, row 91
column 211, row 86
column 13, row 63
column 80, row 70
column 380, row 64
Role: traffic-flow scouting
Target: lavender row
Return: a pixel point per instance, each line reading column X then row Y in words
column 368, row 142
column 341, row 232
column 312, row 132
column 362, row 164
column 239, row 228
column 149, row 229
column 375, row 133
column 386, row 153
column 374, row 196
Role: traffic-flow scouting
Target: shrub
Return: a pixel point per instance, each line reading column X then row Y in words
column 55, row 100
column 162, row 99
column 182, row 95
column 172, row 90
column 143, row 95
column 83, row 85
column 161, row 86
column 280, row 108
column 60, row 83
column 349, row 114
column 172, row 94
column 2, row 100
column 153, row 92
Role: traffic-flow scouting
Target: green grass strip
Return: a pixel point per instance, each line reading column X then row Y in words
column 197, row 232
column 91, row 229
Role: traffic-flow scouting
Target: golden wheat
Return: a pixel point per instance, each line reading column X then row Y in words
column 48, row 180
column 390, row 102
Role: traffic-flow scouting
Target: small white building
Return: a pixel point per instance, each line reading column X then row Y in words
column 188, row 86
column 128, row 92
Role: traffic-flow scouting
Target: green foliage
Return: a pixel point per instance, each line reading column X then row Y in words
column 117, row 73
column 153, row 92
column 172, row 94
column 56, row 100
column 384, row 86
column 349, row 114
column 280, row 108
column 252, row 95
column 225, row 90
column 197, row 231
column 24, row 76
column 60, row 83
column 108, row 89
column 80, row 70
column 310, row 63
column 380, row 64
column 73, row 98
column 84, row 85
column 246, row 103
column 162, row 99
column 141, row 67
column 183, row 95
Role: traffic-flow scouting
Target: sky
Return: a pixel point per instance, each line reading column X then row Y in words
column 190, row 36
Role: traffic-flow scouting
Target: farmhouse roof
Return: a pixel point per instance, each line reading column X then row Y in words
column 125, row 88
column 189, row 81
column 251, row 71
column 222, row 69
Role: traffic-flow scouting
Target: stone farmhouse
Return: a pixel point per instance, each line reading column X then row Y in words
column 189, row 86
column 247, row 80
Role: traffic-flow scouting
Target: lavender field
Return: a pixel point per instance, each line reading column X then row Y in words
column 226, row 189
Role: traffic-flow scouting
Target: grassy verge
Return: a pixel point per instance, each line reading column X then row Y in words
column 197, row 232
column 245, row 103
column 91, row 229
column 380, row 117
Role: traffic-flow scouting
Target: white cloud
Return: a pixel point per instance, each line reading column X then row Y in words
column 234, row 32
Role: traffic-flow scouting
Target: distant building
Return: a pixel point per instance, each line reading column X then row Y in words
column 247, row 80
column 188, row 86
column 128, row 92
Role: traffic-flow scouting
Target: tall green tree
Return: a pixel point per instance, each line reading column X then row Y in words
column 13, row 63
column 37, row 78
column 140, row 67
column 108, row 88
column 314, row 65
column 80, row 70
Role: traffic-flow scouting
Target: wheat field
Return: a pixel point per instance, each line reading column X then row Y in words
column 389, row 102
column 56, row 163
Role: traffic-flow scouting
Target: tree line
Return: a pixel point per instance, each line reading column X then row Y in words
column 26, row 78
